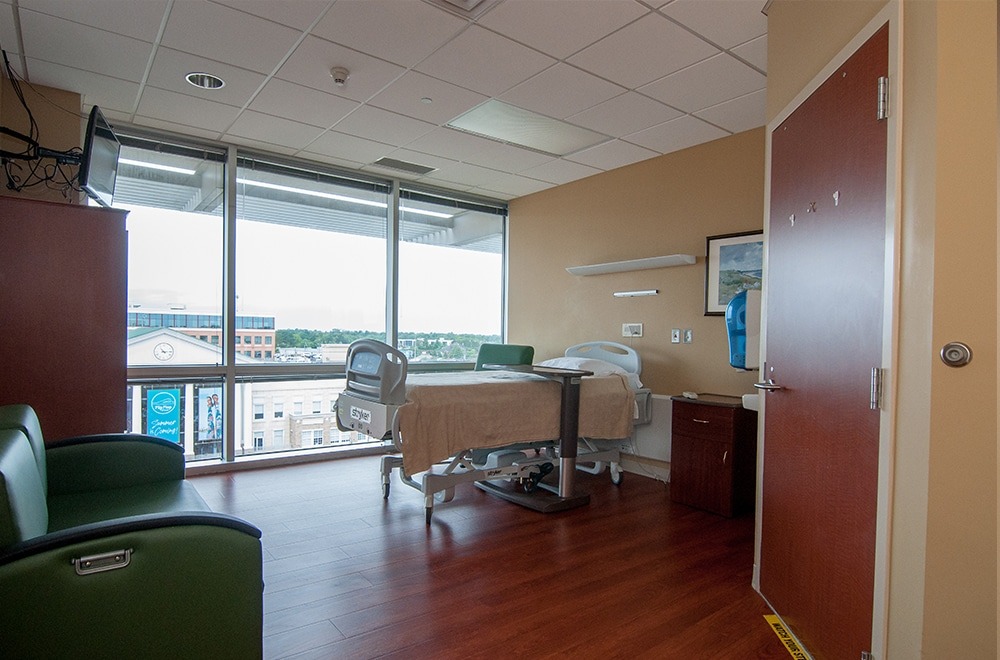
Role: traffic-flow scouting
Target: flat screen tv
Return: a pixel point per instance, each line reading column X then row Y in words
column 99, row 163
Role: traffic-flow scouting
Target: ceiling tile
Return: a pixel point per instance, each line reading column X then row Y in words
column 170, row 66
column 449, row 143
column 186, row 110
column 303, row 104
column 611, row 155
column 560, row 91
column 174, row 127
column 484, row 62
column 8, row 33
column 676, row 134
column 299, row 14
column 261, row 145
column 624, row 114
column 447, row 101
column 275, row 130
column 706, row 83
column 383, row 126
column 511, row 185
column 754, row 52
column 349, row 147
column 542, row 24
column 560, row 171
column 63, row 42
column 311, row 62
column 723, row 22
column 739, row 114
column 343, row 163
column 507, row 157
column 226, row 35
column 643, row 51
column 401, row 32
column 111, row 94
column 139, row 20
column 463, row 173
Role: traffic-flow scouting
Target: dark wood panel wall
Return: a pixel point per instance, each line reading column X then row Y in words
column 63, row 298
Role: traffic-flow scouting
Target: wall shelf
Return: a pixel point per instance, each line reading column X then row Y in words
column 633, row 264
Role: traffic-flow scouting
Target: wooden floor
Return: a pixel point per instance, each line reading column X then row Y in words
column 350, row 575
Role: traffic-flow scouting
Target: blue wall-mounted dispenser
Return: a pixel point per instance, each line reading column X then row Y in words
column 743, row 328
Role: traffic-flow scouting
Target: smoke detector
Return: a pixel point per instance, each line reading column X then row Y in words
column 339, row 75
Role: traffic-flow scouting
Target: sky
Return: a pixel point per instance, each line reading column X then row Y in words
column 307, row 278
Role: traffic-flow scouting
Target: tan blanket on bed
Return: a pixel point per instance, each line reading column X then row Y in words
column 446, row 413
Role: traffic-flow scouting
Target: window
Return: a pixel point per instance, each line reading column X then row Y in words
column 314, row 230
column 441, row 316
column 324, row 236
column 174, row 247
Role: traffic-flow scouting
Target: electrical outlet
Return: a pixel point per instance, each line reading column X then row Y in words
column 631, row 329
column 688, row 336
column 675, row 336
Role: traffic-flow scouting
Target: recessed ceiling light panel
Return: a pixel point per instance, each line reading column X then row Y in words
column 507, row 123
column 205, row 80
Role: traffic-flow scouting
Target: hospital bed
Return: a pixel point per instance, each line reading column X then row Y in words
column 504, row 428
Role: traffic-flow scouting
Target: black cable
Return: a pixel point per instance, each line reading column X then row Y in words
column 34, row 172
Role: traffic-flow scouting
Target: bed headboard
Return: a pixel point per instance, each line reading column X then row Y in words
column 609, row 351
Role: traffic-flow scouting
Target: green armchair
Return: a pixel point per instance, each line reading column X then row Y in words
column 107, row 552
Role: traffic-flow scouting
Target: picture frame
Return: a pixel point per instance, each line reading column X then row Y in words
column 733, row 263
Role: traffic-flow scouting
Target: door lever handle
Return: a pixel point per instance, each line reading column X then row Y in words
column 768, row 386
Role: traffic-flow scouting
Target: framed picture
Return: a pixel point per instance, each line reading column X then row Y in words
column 733, row 263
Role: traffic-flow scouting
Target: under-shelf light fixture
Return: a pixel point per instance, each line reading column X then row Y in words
column 636, row 294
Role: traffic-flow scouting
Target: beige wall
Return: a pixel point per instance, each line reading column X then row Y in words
column 664, row 205
column 942, row 582
column 57, row 114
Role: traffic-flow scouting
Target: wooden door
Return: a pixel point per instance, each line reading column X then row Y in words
column 826, row 255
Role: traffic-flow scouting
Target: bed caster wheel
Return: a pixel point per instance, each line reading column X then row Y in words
column 385, row 491
column 446, row 495
column 617, row 476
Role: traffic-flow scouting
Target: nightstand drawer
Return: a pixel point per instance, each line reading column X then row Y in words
column 703, row 421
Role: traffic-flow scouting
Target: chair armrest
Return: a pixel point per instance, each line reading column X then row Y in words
column 109, row 461
column 185, row 572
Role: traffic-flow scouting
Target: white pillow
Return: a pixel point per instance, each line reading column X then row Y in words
column 599, row 367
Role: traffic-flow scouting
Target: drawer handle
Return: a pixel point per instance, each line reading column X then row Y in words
column 700, row 421
column 724, row 455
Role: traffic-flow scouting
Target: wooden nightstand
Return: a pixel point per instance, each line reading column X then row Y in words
column 713, row 454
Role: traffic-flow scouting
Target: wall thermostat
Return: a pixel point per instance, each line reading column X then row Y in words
column 956, row 354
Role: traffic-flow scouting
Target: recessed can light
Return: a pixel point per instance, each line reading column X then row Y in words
column 205, row 80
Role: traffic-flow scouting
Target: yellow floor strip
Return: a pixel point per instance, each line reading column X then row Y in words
column 786, row 637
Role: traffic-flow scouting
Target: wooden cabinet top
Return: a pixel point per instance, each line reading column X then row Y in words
column 712, row 400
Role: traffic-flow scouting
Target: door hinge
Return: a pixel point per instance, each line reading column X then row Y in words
column 876, row 391
column 867, row 655
column 883, row 98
